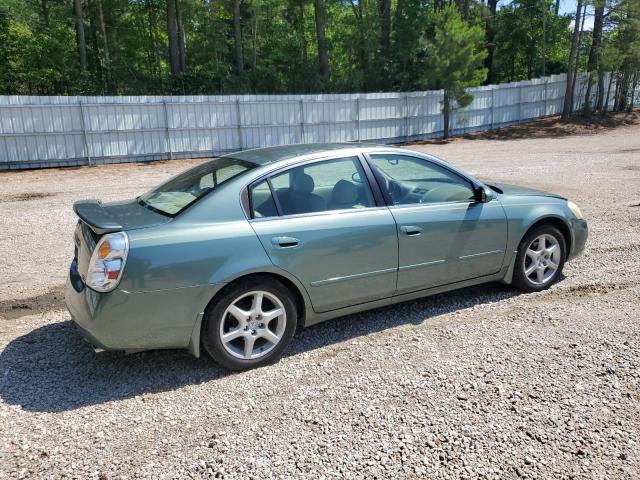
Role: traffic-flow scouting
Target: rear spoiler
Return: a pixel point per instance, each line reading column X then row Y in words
column 96, row 217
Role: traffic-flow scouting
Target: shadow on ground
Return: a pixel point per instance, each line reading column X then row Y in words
column 52, row 369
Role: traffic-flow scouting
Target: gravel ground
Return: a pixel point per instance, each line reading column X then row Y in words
column 480, row 383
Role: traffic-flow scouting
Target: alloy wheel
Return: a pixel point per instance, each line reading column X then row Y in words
column 542, row 259
column 252, row 325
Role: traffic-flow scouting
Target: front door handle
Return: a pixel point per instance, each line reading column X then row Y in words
column 285, row 242
column 410, row 230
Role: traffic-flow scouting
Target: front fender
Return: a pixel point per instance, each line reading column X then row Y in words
column 525, row 212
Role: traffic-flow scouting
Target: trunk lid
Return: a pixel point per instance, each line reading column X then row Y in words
column 115, row 216
column 97, row 219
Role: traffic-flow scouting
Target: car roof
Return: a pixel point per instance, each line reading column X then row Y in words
column 268, row 155
column 272, row 159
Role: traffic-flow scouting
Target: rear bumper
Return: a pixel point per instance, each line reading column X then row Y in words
column 121, row 320
column 580, row 231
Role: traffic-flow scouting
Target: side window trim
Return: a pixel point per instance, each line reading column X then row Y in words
column 378, row 192
column 274, row 197
column 248, row 192
column 375, row 189
column 385, row 193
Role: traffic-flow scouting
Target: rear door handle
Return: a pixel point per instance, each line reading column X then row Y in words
column 285, row 242
column 411, row 230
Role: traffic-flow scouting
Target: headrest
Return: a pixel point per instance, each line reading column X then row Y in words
column 344, row 192
column 302, row 183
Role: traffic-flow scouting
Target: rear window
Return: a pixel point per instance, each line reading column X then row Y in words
column 183, row 190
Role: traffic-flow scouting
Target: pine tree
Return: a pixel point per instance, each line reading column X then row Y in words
column 457, row 54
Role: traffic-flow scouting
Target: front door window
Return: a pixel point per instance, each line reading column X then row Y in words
column 410, row 180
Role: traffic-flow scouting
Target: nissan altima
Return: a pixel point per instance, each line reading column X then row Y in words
column 233, row 255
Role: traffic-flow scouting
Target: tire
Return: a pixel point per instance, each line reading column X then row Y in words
column 534, row 271
column 237, row 314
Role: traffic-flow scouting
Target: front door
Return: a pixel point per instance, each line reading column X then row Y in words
column 445, row 235
column 320, row 222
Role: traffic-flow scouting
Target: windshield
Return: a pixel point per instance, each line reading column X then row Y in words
column 174, row 196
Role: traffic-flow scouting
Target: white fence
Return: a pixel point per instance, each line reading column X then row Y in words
column 68, row 131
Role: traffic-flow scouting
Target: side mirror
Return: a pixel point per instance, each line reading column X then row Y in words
column 484, row 194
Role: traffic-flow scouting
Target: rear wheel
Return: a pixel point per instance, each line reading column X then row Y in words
column 541, row 256
column 250, row 325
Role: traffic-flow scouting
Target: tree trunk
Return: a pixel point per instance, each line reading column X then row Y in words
column 600, row 95
column 572, row 67
column 587, row 95
column 596, row 39
column 304, row 49
column 105, row 48
column 153, row 27
column 384, row 7
column 621, row 89
column 634, row 85
column 44, row 7
column 237, row 36
column 446, row 113
column 575, row 70
column 95, row 45
column 616, row 95
column 557, row 7
column 80, row 38
column 255, row 40
column 182, row 41
column 491, row 38
column 363, row 52
column 172, row 32
column 605, row 107
column 148, row 50
column 545, row 6
column 594, row 52
column 463, row 6
column 323, row 57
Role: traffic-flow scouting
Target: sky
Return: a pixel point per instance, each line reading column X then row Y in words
column 569, row 6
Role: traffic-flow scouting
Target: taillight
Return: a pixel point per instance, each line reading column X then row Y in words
column 107, row 262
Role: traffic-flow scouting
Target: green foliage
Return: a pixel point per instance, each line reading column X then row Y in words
column 35, row 62
column 408, row 56
column 622, row 51
column 431, row 46
column 519, row 33
column 455, row 53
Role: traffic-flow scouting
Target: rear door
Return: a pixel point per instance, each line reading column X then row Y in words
column 321, row 222
column 445, row 235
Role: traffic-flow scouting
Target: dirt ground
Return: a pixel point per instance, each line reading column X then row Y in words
column 480, row 383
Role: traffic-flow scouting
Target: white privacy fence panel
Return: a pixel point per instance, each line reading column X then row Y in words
column 61, row 131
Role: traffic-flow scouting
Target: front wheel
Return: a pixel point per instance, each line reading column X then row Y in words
column 541, row 256
column 250, row 325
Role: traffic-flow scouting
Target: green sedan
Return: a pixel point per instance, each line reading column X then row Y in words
column 235, row 254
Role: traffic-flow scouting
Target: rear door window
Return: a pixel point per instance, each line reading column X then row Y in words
column 336, row 184
column 262, row 202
